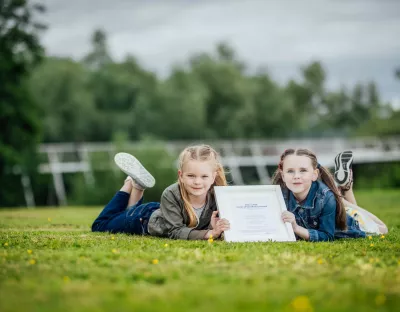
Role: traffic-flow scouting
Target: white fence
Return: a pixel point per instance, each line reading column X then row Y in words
column 68, row 157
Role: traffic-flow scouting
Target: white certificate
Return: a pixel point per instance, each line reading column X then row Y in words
column 254, row 213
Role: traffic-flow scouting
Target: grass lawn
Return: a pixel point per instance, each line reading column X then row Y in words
column 50, row 261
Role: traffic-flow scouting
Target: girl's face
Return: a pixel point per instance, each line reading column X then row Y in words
column 197, row 177
column 298, row 174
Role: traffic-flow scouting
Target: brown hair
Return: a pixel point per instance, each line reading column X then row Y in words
column 324, row 175
column 203, row 153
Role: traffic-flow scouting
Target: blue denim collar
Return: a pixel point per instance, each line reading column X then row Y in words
column 310, row 199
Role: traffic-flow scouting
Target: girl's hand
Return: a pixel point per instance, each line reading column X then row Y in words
column 220, row 226
column 287, row 216
column 214, row 219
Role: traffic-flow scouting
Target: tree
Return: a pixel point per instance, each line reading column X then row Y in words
column 20, row 51
column 59, row 86
column 397, row 73
column 99, row 56
column 176, row 111
column 387, row 121
column 271, row 110
column 229, row 92
column 117, row 89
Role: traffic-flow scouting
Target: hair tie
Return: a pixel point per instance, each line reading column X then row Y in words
column 318, row 166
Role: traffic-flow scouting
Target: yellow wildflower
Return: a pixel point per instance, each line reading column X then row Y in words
column 115, row 251
column 166, row 245
column 372, row 245
column 49, row 219
column 382, row 236
column 66, row 279
column 29, row 251
column 320, row 261
column 154, row 261
column 370, row 237
column 302, row 303
column 112, row 237
column 380, row 299
column 6, row 244
column 210, row 239
column 32, row 261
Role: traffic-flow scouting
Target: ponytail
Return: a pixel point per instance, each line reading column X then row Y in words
column 220, row 178
column 341, row 217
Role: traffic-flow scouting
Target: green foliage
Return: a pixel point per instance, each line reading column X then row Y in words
column 58, row 85
column 100, row 55
column 377, row 175
column 279, row 118
column 50, row 261
column 177, row 110
column 388, row 126
column 212, row 96
column 20, row 51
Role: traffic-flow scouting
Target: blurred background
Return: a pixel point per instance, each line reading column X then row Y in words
column 82, row 80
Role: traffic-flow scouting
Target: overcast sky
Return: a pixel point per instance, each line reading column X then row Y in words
column 356, row 40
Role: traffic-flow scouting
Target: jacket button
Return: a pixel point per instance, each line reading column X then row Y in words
column 315, row 222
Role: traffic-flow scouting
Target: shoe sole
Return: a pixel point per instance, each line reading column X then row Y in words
column 133, row 168
column 343, row 163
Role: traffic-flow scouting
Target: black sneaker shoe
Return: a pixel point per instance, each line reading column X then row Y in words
column 343, row 175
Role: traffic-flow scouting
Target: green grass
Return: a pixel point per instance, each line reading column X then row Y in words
column 72, row 269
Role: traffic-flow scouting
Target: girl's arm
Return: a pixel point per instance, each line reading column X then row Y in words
column 300, row 231
column 217, row 226
column 326, row 221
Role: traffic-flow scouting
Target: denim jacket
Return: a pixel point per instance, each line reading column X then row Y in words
column 318, row 214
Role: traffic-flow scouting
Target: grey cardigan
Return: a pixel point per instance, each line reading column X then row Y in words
column 171, row 219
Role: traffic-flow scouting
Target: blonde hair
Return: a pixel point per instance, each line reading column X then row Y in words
column 324, row 175
column 202, row 153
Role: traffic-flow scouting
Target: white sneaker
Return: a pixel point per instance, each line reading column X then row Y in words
column 133, row 168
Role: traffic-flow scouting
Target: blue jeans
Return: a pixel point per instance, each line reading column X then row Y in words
column 115, row 218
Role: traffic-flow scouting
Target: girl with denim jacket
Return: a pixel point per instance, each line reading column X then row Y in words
column 187, row 209
column 315, row 206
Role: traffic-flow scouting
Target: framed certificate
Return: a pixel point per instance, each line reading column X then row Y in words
column 254, row 213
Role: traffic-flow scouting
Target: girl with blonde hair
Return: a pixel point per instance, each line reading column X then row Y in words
column 187, row 209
